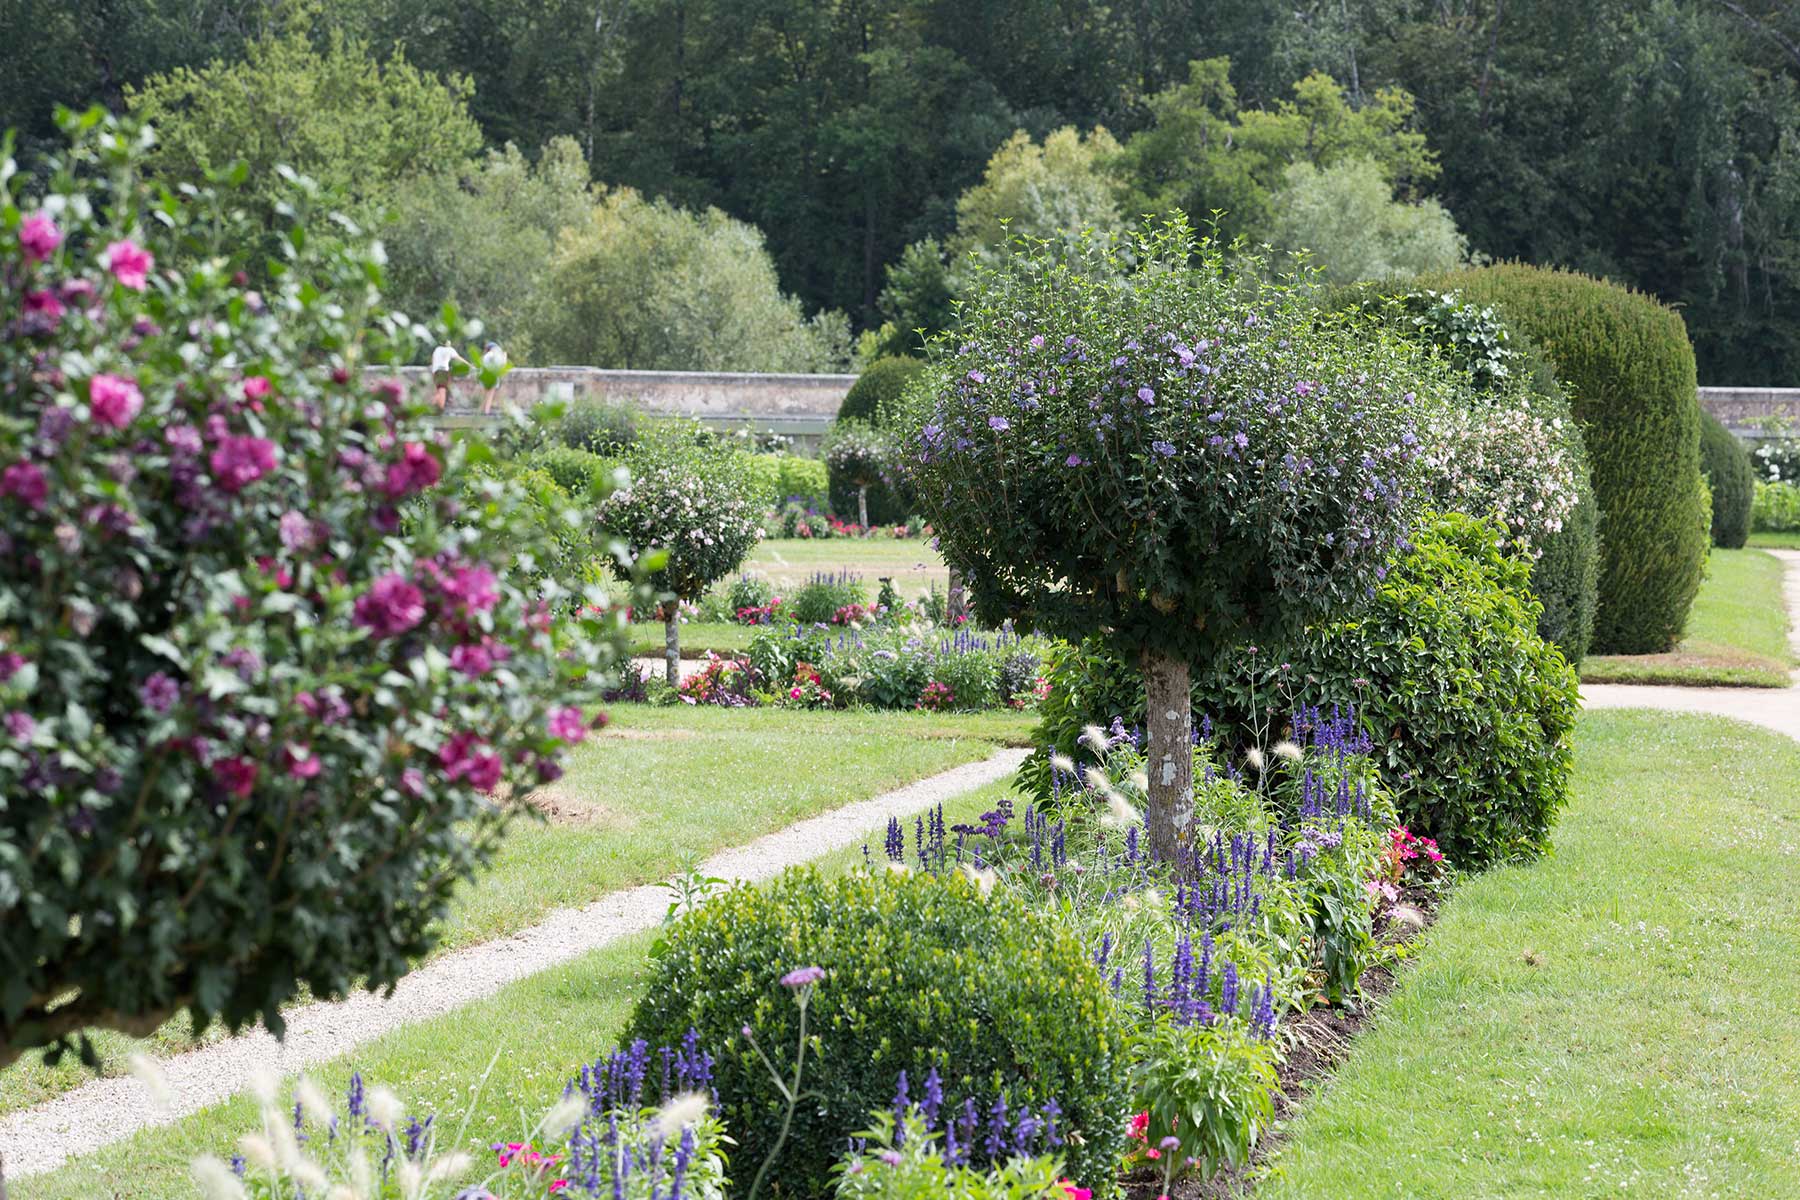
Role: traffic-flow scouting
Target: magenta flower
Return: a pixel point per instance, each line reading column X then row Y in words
column 390, row 607
column 239, row 462
column 256, row 387
column 10, row 664
column 39, row 237
column 301, row 762
column 471, row 660
column 159, row 693
column 237, row 775
column 417, row 470
column 20, row 726
column 473, row 587
column 25, row 482
column 297, row 531
column 802, row 976
column 484, row 771
column 568, row 724
column 45, row 305
column 114, row 401
column 130, row 264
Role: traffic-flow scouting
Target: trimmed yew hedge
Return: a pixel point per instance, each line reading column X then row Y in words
column 1726, row 461
column 1626, row 361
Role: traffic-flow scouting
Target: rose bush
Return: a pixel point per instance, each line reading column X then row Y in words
column 252, row 719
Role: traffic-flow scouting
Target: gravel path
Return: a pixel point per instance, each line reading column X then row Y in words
column 107, row 1110
column 1772, row 708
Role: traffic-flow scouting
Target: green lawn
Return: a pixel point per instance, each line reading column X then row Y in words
column 1617, row 1019
column 545, row 1027
column 912, row 562
column 1787, row 539
column 659, row 784
column 1737, row 633
column 697, row 637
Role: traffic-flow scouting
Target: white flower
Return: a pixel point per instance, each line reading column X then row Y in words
column 257, row 1151
column 567, row 1112
column 1287, row 751
column 215, row 1179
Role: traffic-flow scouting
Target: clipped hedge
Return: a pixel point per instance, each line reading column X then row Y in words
column 1729, row 473
column 876, row 389
column 1629, row 368
column 920, row 972
column 577, row 472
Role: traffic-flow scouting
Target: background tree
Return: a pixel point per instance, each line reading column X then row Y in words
column 689, row 512
column 1163, row 457
column 859, row 455
column 1347, row 216
column 644, row 285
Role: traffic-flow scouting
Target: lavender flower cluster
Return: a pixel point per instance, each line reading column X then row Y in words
column 977, row 1131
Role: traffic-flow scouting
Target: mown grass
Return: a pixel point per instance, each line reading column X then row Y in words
column 659, row 785
column 544, row 1027
column 1616, row 1019
column 1737, row 633
column 1786, row 539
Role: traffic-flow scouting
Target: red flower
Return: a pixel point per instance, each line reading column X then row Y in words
column 236, row 775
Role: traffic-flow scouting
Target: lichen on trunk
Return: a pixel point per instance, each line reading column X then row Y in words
column 1169, row 747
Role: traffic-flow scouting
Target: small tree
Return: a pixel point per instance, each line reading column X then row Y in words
column 689, row 506
column 260, row 667
column 860, row 455
column 1166, row 454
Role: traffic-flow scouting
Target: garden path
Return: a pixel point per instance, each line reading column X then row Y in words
column 1772, row 708
column 107, row 1110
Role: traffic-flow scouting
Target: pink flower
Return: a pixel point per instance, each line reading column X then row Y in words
column 236, row 775
column 1076, row 1193
column 256, row 387
column 301, row 762
column 239, row 462
column 114, row 401
column 800, row 977
column 471, row 660
column 417, row 470
column 44, row 305
column 39, row 237
column 390, row 607
column 484, row 771
column 25, row 482
column 568, row 724
column 460, row 760
column 20, row 726
column 473, row 587
column 130, row 264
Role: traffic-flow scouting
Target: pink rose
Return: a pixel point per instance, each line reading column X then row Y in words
column 474, row 587
column 472, row 661
column 114, row 401
column 39, row 237
column 390, row 607
column 130, row 264
column 239, row 462
column 25, row 482
column 256, row 387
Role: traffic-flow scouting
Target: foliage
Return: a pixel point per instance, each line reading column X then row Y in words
column 895, row 666
column 1176, row 526
column 1210, row 1088
column 358, row 125
column 1052, row 192
column 1778, row 459
column 692, row 502
column 566, row 545
column 1346, row 216
column 802, row 480
column 577, row 472
column 1726, row 463
column 479, row 234
column 1777, row 508
column 230, row 667
column 825, row 594
column 1630, row 373
column 644, row 285
column 878, row 388
column 905, row 1161
column 917, row 300
column 599, row 427
column 725, row 682
column 909, row 960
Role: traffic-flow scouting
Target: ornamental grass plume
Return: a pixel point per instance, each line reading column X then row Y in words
column 216, row 1180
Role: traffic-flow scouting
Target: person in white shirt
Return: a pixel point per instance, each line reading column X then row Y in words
column 441, row 358
column 493, row 358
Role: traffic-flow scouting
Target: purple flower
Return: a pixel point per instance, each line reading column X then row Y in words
column 159, row 693
column 241, row 461
column 20, row 726
column 10, row 665
column 999, row 424
column 1037, row 341
column 297, row 532
column 1163, row 448
column 1146, row 394
column 25, row 482
column 183, row 439
column 1074, row 460
column 390, row 607
column 802, row 976
column 471, row 660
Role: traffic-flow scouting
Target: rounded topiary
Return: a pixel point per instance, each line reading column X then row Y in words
column 252, row 624
column 1629, row 367
column 920, row 972
column 580, row 473
column 876, row 390
column 1732, row 478
column 599, row 427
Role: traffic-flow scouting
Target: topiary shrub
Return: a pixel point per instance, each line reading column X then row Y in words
column 876, row 390
column 859, row 458
column 578, row 472
column 252, row 717
column 1732, row 478
column 802, row 481
column 599, row 427
column 920, row 972
column 1629, row 368
column 1158, row 451
column 1470, row 709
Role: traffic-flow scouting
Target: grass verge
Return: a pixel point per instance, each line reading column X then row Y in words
column 1786, row 539
column 545, row 1027
column 1737, row 633
column 660, row 785
column 1615, row 1019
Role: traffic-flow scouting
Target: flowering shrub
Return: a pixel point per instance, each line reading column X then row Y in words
column 230, row 671
column 805, row 689
column 726, row 682
column 937, row 697
column 858, row 456
column 892, row 665
column 901, row 956
column 1500, row 456
column 1406, row 854
column 804, row 522
column 689, row 510
column 819, row 600
column 1157, row 450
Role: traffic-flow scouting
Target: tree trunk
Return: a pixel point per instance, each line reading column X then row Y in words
column 956, row 604
column 862, row 506
column 671, row 644
column 1170, row 751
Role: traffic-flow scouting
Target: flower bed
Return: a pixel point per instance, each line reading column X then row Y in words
column 913, row 666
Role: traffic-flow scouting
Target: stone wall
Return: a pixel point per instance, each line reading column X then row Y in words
column 1748, row 412
column 799, row 406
